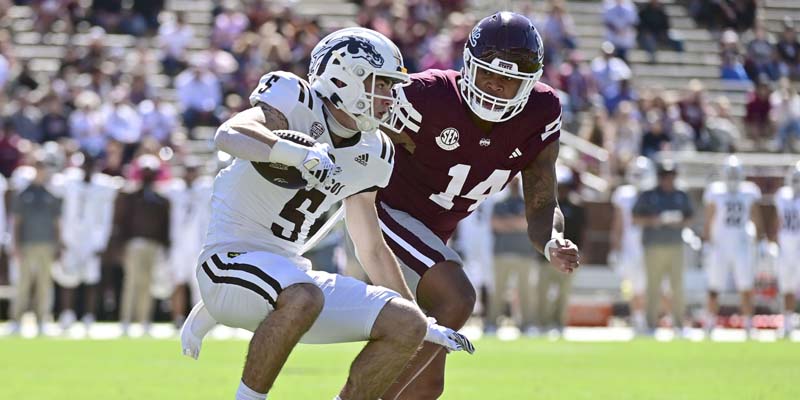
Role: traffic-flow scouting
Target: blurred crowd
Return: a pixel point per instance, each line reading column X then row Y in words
column 135, row 82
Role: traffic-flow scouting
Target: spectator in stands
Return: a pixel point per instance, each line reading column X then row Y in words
column 723, row 131
column 140, row 89
column 654, row 29
column 174, row 37
column 228, row 26
column 758, row 124
column 54, row 125
column 121, row 120
column 142, row 222
column 620, row 18
column 553, row 313
column 106, row 13
column 789, row 52
column 693, row 107
column 625, row 139
column 86, row 123
column 558, row 32
column 10, row 155
column 199, row 94
column 143, row 17
column 655, row 138
column 598, row 132
column 5, row 71
column 159, row 119
column 732, row 69
column 663, row 213
column 37, row 243
column 785, row 105
column 25, row 78
column 25, row 117
column 626, row 93
column 575, row 77
column 762, row 57
column 513, row 256
column 609, row 71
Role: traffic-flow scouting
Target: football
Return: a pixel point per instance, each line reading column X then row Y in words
column 285, row 176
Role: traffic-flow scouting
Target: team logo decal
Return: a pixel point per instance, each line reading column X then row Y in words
column 474, row 36
column 485, row 142
column 356, row 46
column 448, row 139
column 316, row 130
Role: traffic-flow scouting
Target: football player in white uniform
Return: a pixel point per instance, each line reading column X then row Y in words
column 626, row 254
column 730, row 205
column 251, row 274
column 86, row 221
column 787, row 203
column 190, row 210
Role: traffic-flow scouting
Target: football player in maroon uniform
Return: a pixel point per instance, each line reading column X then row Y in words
column 468, row 134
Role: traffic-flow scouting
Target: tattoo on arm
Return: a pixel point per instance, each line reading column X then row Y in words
column 541, row 206
column 273, row 118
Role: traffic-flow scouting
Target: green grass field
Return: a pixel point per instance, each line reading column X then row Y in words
column 523, row 369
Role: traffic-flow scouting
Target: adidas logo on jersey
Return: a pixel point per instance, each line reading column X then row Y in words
column 362, row 159
column 515, row 154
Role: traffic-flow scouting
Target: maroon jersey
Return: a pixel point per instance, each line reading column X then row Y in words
column 449, row 166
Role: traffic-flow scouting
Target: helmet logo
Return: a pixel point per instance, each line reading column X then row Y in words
column 316, row 130
column 448, row 139
column 357, row 47
column 474, row 36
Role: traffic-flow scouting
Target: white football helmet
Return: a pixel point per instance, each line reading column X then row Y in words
column 341, row 62
column 793, row 179
column 732, row 173
column 641, row 173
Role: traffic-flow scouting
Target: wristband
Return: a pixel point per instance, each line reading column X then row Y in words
column 552, row 243
column 287, row 153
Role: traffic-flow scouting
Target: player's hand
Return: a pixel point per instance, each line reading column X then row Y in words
column 565, row 256
column 317, row 166
column 448, row 338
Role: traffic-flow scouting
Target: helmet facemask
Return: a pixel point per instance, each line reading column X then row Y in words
column 489, row 107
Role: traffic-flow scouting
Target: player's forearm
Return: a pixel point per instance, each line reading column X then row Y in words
column 545, row 224
column 239, row 145
column 383, row 270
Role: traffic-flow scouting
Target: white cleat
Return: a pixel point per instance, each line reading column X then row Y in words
column 191, row 343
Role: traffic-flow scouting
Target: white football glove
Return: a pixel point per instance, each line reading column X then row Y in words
column 448, row 338
column 314, row 163
column 318, row 166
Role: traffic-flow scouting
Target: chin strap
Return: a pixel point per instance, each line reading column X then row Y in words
column 337, row 128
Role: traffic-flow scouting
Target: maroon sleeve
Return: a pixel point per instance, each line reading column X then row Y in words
column 545, row 121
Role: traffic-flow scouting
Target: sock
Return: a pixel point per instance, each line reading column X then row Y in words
column 639, row 320
column 337, row 398
column 245, row 393
column 748, row 323
column 711, row 321
column 787, row 322
column 202, row 322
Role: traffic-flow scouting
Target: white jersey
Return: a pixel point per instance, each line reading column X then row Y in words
column 250, row 214
column 788, row 207
column 190, row 211
column 87, row 210
column 732, row 210
column 624, row 198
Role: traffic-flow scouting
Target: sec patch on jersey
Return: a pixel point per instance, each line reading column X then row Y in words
column 285, row 176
